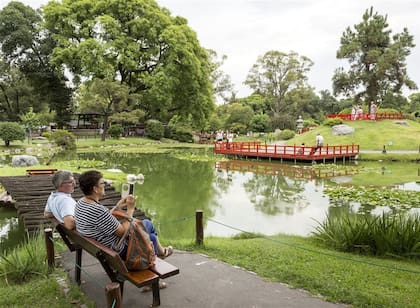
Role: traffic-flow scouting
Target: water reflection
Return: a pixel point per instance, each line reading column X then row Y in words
column 266, row 202
column 11, row 229
column 252, row 196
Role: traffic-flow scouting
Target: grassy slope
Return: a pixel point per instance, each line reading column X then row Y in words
column 369, row 135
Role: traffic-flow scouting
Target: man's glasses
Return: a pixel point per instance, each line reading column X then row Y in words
column 70, row 182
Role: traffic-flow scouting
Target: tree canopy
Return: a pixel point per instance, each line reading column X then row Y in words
column 138, row 44
column 26, row 48
column 377, row 61
column 277, row 73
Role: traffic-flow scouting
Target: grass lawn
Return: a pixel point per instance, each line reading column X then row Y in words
column 338, row 277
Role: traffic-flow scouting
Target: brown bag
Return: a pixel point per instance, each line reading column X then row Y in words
column 140, row 252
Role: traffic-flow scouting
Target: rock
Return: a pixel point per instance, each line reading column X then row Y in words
column 404, row 123
column 342, row 129
column 24, row 160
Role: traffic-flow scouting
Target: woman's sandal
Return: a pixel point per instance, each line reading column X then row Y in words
column 167, row 251
column 162, row 285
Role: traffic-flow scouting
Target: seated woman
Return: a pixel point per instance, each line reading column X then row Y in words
column 96, row 221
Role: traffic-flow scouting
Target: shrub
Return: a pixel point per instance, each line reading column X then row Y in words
column 333, row 121
column 154, row 129
column 10, row 131
column 397, row 235
column 25, row 261
column 63, row 139
column 286, row 134
column 46, row 135
column 115, row 131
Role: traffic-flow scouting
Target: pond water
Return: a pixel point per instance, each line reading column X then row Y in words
column 235, row 196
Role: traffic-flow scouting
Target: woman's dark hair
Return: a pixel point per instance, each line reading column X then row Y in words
column 88, row 180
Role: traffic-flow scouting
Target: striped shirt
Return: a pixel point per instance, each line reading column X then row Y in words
column 96, row 221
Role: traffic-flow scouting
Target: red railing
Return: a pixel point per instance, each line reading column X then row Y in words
column 367, row 116
column 257, row 149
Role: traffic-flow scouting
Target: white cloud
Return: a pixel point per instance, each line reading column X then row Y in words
column 246, row 29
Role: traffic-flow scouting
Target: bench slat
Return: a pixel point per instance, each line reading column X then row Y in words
column 164, row 269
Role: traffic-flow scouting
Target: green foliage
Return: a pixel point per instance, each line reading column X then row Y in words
column 25, row 261
column 10, row 131
column 154, row 129
column 260, row 123
column 333, row 121
column 46, row 135
column 377, row 60
column 182, row 134
column 277, row 73
column 283, row 121
column 390, row 235
column 286, row 134
column 115, row 131
column 140, row 45
column 64, row 139
column 27, row 48
column 238, row 117
column 372, row 197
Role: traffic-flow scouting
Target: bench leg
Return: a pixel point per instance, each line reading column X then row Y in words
column 156, row 293
column 78, row 267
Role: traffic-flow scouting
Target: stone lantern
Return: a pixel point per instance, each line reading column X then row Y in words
column 299, row 125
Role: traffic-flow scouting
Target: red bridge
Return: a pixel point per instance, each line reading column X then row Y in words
column 287, row 152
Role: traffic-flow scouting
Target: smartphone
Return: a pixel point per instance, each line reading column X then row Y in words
column 125, row 190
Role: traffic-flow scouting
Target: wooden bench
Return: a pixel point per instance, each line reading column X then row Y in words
column 113, row 265
column 40, row 171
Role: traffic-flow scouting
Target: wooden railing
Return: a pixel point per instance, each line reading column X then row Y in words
column 258, row 149
column 366, row 116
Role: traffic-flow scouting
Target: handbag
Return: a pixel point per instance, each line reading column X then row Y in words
column 140, row 252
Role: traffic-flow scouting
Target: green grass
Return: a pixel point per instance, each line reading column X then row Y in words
column 43, row 292
column 369, row 135
column 361, row 281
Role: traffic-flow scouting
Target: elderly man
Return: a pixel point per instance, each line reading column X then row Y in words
column 60, row 203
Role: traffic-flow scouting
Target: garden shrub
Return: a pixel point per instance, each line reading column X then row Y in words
column 10, row 131
column 286, row 134
column 154, row 129
column 64, row 139
column 115, row 131
column 333, row 121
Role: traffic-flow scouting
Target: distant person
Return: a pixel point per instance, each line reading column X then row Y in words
column 359, row 113
column 373, row 109
column 353, row 113
column 219, row 136
column 301, row 150
column 60, row 203
column 319, row 142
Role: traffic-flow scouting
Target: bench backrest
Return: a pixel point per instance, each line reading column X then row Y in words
column 74, row 241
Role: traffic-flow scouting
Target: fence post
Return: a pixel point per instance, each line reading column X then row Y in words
column 50, row 247
column 199, row 234
column 113, row 295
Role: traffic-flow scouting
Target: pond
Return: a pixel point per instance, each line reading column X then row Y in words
column 238, row 195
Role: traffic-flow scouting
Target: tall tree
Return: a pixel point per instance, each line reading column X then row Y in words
column 27, row 46
column 138, row 44
column 15, row 92
column 277, row 73
column 377, row 62
column 222, row 84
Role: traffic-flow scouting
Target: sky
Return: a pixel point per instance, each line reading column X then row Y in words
column 243, row 30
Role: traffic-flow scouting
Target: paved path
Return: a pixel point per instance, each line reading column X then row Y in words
column 202, row 283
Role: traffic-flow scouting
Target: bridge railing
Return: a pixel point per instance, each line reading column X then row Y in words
column 273, row 150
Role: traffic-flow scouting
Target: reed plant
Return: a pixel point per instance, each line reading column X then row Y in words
column 385, row 235
column 25, row 261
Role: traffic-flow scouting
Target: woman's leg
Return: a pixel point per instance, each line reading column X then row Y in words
column 153, row 235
